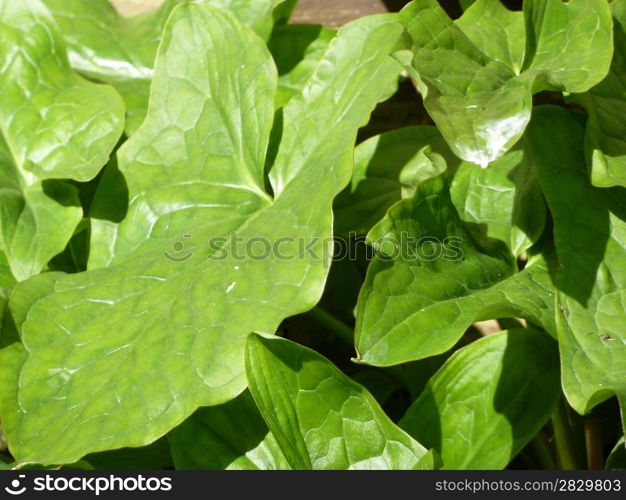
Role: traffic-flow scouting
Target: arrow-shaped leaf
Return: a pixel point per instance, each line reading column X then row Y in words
column 118, row 356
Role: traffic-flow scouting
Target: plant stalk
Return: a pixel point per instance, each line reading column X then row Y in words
column 593, row 442
column 543, row 451
column 332, row 324
column 564, row 439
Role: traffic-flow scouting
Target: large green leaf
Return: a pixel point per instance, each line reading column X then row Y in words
column 606, row 105
column 432, row 279
column 387, row 168
column 504, row 202
column 488, row 400
column 590, row 239
column 321, row 418
column 118, row 356
column 121, row 50
column 53, row 125
column 229, row 436
column 471, row 81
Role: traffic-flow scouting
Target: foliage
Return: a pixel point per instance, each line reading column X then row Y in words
column 173, row 289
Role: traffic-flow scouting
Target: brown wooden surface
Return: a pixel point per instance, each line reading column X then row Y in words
column 328, row 12
column 334, row 12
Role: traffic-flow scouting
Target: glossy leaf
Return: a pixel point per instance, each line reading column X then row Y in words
column 121, row 50
column 120, row 355
column 471, row 83
column 590, row 239
column 228, row 436
column 505, row 201
column 53, row 125
column 432, row 279
column 321, row 418
column 488, row 400
column 605, row 103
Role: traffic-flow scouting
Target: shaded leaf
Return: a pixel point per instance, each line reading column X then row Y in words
column 155, row 456
column 590, row 240
column 488, row 400
column 617, row 457
column 387, row 168
column 432, row 279
column 297, row 50
column 228, row 436
column 605, row 103
column 505, row 199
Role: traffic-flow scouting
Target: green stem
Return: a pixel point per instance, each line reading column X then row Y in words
column 542, row 450
column 328, row 321
column 564, row 440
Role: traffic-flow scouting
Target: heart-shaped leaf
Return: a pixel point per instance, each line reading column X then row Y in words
column 118, row 356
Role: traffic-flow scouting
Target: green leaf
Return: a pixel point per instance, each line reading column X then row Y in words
column 432, row 279
column 506, row 200
column 121, row 50
column 475, row 92
column 496, row 31
column 488, row 400
column 53, row 125
column 617, row 458
column 297, row 50
column 590, row 240
column 605, row 103
column 12, row 352
column 120, row 355
column 155, row 456
column 321, row 418
column 7, row 280
column 228, row 436
column 387, row 168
